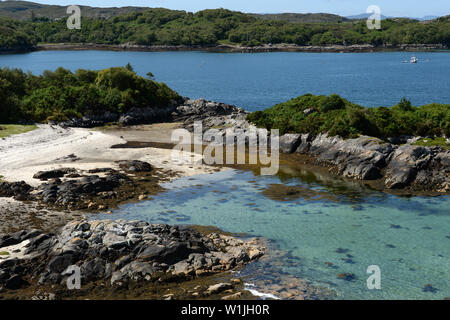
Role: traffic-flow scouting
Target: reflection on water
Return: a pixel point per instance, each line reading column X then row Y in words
column 330, row 243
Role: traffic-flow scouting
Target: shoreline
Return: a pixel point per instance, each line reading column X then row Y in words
column 49, row 221
column 364, row 48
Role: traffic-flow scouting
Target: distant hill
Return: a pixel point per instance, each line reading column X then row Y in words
column 366, row 15
column 24, row 10
column 301, row 17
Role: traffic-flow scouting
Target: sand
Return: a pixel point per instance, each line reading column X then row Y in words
column 52, row 147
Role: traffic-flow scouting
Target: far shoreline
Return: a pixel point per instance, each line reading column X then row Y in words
column 364, row 48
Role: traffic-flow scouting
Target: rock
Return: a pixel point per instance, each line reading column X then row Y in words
column 289, row 142
column 74, row 192
column 201, row 109
column 197, row 260
column 149, row 115
column 235, row 296
column 308, row 111
column 404, row 165
column 361, row 158
column 18, row 190
column 92, row 206
column 135, row 166
column 255, row 253
column 142, row 197
column 218, row 288
column 119, row 263
column 15, row 282
column 60, row 263
column 121, row 251
column 137, row 270
column 90, row 121
column 57, row 173
column 118, row 278
column 182, row 267
column 93, row 269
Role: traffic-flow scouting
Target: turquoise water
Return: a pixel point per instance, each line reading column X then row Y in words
column 260, row 80
column 408, row 238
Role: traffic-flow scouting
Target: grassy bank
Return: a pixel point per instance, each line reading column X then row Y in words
column 337, row 116
column 7, row 130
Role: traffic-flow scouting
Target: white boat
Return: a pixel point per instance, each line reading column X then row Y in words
column 413, row 60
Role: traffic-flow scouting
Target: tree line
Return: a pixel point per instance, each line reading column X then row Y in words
column 219, row 26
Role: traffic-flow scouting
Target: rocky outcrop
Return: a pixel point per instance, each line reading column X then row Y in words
column 17, row 190
column 212, row 114
column 90, row 121
column 134, row 116
column 361, row 158
column 57, row 173
column 120, row 252
column 71, row 192
column 290, row 142
column 418, row 165
column 97, row 189
column 187, row 111
column 137, row 116
column 368, row 158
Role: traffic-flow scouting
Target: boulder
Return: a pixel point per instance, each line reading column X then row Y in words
column 135, row 166
column 57, row 173
column 218, row 288
column 404, row 165
column 289, row 142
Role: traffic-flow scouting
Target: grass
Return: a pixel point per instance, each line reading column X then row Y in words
column 4, row 253
column 431, row 142
column 7, row 130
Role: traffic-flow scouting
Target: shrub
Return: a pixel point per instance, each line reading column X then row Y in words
column 338, row 116
column 333, row 102
column 60, row 94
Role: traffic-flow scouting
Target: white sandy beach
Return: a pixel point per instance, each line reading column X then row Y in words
column 51, row 147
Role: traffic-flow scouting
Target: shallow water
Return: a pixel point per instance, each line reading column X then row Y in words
column 408, row 238
column 256, row 81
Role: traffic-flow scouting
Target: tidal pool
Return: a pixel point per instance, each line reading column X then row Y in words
column 407, row 237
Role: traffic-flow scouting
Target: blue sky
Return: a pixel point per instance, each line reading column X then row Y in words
column 411, row 8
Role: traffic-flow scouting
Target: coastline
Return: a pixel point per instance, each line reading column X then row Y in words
column 88, row 149
column 363, row 48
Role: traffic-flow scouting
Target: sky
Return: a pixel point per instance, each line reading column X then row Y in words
column 398, row 8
